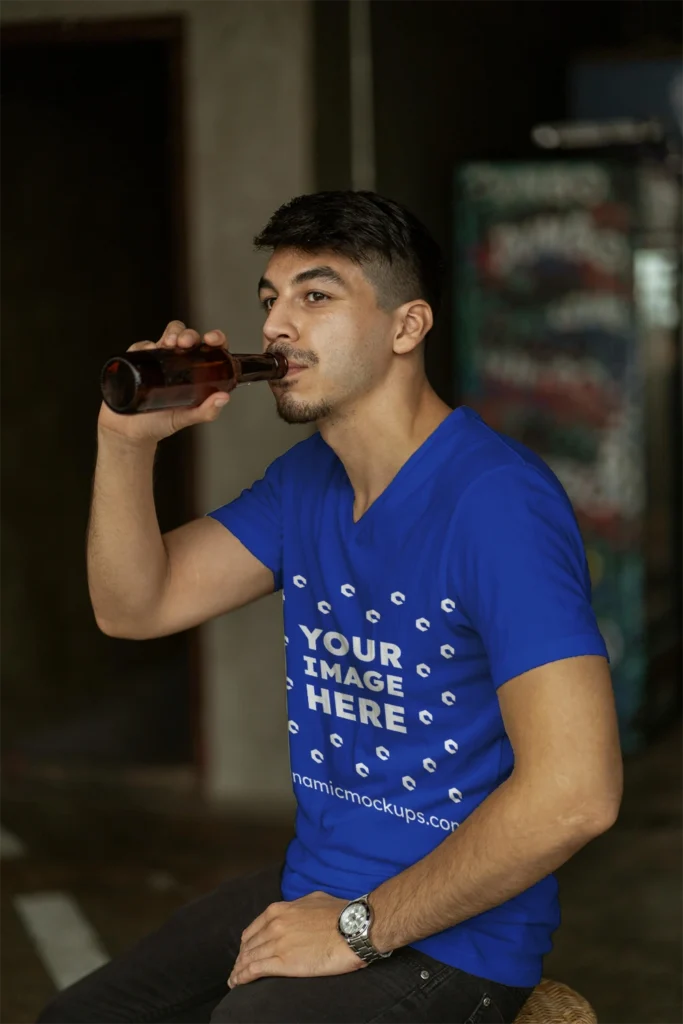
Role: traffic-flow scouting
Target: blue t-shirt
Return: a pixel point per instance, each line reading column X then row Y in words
column 466, row 571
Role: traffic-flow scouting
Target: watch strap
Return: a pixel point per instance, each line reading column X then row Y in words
column 364, row 948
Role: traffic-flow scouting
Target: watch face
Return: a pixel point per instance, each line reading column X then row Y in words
column 354, row 919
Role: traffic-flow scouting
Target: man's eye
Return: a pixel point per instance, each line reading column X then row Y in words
column 316, row 297
column 267, row 303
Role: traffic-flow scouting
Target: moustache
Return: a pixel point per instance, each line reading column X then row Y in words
column 292, row 356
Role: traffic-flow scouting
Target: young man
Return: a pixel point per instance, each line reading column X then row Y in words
column 452, row 728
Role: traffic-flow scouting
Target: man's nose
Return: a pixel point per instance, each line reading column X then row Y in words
column 278, row 326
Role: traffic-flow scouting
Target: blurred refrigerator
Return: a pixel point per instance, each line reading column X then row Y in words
column 567, row 337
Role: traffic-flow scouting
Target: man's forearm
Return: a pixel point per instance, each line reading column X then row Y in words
column 127, row 560
column 514, row 838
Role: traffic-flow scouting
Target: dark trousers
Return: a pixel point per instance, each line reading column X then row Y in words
column 179, row 973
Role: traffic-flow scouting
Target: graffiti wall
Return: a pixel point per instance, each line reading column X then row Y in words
column 547, row 352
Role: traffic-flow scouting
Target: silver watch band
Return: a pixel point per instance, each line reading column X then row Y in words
column 365, row 950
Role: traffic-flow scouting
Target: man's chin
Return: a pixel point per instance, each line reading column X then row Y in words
column 293, row 410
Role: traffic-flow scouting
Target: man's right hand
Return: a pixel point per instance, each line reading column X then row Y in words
column 154, row 426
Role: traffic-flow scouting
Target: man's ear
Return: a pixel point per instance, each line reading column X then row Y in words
column 415, row 320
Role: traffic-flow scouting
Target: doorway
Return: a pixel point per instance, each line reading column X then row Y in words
column 92, row 260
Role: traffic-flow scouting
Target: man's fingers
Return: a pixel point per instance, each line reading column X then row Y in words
column 216, row 338
column 140, row 345
column 254, row 928
column 183, row 339
column 270, row 967
column 209, row 410
column 177, row 335
column 257, row 951
column 271, row 912
column 175, row 327
column 260, row 938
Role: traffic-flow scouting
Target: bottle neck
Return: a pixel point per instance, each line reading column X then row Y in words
column 252, row 368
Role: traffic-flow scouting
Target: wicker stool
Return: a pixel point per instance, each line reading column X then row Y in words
column 554, row 1003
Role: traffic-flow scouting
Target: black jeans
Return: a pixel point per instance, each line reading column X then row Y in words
column 179, row 973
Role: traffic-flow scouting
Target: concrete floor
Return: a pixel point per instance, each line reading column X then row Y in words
column 620, row 943
column 130, row 863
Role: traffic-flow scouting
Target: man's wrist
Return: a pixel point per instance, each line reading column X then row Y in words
column 111, row 440
column 377, row 933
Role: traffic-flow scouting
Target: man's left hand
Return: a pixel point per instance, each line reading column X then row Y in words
column 295, row 940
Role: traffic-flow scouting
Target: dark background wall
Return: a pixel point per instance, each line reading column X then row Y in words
column 89, row 242
column 456, row 81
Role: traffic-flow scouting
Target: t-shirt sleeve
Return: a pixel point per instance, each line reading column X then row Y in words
column 255, row 518
column 521, row 575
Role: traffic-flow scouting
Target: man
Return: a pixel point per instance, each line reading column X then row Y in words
column 452, row 728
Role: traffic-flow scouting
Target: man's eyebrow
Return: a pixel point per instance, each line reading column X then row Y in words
column 265, row 283
column 322, row 273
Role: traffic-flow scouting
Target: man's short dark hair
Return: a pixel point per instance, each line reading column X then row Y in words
column 395, row 250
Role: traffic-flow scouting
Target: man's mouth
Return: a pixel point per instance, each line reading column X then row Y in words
column 294, row 368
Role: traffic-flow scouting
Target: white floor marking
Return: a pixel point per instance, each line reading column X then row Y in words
column 66, row 943
column 11, row 846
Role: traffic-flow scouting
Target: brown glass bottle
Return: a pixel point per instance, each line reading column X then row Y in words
column 154, row 379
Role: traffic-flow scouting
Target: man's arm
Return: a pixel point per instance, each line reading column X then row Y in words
column 565, row 789
column 142, row 584
column 145, row 585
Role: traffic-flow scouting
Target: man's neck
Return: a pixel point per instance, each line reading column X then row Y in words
column 379, row 434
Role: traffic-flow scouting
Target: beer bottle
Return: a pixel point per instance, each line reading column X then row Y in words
column 153, row 379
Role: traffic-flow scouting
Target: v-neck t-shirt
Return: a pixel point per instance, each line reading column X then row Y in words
column 468, row 570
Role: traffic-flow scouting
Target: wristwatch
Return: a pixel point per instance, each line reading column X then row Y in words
column 354, row 925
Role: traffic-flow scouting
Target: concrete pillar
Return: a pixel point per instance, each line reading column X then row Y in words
column 248, row 109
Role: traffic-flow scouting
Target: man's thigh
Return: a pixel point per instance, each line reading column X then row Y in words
column 182, row 966
column 408, row 987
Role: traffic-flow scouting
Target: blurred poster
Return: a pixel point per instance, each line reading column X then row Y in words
column 547, row 339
